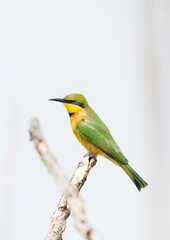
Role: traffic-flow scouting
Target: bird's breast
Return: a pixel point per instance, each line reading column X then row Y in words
column 76, row 117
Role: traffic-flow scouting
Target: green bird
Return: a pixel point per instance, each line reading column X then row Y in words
column 94, row 135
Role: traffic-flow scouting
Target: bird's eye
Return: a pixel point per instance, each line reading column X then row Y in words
column 74, row 101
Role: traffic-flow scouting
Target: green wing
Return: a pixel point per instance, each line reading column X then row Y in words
column 102, row 139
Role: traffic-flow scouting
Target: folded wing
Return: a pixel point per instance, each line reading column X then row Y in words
column 103, row 140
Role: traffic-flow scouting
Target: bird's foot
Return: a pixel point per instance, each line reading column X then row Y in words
column 90, row 157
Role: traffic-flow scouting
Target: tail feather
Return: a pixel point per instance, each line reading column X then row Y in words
column 138, row 181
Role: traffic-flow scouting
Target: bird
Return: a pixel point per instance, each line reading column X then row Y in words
column 94, row 135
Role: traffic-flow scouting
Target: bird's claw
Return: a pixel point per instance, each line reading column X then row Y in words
column 90, row 157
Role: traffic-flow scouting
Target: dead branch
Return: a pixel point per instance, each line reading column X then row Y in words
column 69, row 190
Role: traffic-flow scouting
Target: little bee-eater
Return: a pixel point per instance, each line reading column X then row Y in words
column 95, row 136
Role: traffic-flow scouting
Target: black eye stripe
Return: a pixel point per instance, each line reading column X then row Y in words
column 79, row 104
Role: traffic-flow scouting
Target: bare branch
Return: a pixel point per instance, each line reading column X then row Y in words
column 70, row 191
column 59, row 217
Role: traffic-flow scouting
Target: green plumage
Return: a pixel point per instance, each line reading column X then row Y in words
column 97, row 133
column 94, row 134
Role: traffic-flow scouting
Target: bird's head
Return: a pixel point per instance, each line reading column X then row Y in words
column 73, row 102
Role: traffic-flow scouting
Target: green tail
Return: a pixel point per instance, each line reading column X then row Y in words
column 138, row 181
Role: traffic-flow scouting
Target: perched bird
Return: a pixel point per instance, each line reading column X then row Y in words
column 94, row 135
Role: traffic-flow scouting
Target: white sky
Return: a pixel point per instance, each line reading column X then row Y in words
column 117, row 54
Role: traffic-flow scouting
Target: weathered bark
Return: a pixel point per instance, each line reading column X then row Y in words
column 69, row 189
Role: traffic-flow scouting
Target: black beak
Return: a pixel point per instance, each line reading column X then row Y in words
column 58, row 100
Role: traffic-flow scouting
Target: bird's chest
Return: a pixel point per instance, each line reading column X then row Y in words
column 75, row 118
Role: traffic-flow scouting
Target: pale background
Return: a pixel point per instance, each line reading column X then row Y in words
column 116, row 53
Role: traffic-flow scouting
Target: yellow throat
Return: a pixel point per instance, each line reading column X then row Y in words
column 72, row 108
